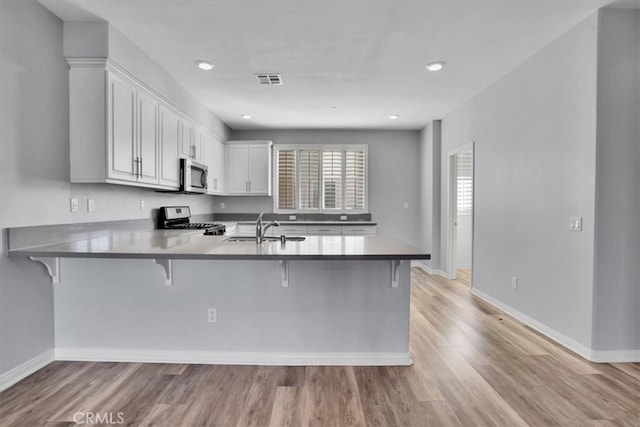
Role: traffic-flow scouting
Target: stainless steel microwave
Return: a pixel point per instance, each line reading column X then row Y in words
column 193, row 176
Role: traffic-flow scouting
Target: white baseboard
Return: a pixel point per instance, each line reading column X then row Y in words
column 233, row 358
column 598, row 356
column 21, row 372
column 551, row 333
column 434, row 272
column 615, row 356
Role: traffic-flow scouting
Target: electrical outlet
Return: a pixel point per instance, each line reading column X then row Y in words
column 221, row 205
column 75, row 206
column 212, row 315
column 141, row 205
column 343, row 217
column 91, row 205
column 292, row 217
column 514, row 282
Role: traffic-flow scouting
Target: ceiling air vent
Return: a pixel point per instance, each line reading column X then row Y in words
column 269, row 79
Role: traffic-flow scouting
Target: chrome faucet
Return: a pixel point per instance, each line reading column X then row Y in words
column 260, row 230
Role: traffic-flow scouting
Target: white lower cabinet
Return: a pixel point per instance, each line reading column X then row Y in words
column 358, row 230
column 246, row 229
column 309, row 230
column 288, row 230
column 324, row 230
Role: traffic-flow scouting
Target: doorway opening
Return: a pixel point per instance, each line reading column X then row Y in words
column 461, row 208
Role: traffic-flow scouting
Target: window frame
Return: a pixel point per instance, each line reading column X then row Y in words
column 320, row 148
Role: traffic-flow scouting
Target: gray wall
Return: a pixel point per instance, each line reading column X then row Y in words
column 34, row 174
column 393, row 175
column 329, row 306
column 617, row 269
column 430, row 140
column 535, row 162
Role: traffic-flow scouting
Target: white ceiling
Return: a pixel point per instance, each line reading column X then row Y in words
column 365, row 57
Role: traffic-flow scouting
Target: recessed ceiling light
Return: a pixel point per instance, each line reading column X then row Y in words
column 435, row 66
column 394, row 117
column 334, row 108
column 205, row 65
column 246, row 116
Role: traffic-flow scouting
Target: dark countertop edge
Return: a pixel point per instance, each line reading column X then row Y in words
column 213, row 257
column 305, row 223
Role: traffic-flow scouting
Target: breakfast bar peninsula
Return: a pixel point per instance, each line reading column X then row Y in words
column 185, row 297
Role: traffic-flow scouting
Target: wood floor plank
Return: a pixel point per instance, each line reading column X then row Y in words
column 260, row 399
column 331, row 393
column 632, row 369
column 287, row 407
column 375, row 402
column 473, row 366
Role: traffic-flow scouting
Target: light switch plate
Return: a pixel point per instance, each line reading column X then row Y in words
column 575, row 223
column 91, row 205
column 74, row 205
column 343, row 217
column 292, row 217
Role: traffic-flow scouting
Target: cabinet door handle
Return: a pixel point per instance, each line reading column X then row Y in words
column 137, row 162
column 140, row 167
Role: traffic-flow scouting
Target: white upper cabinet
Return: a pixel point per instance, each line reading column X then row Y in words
column 192, row 144
column 122, row 132
column 147, row 141
column 248, row 167
column 132, row 123
column 186, row 139
column 214, row 152
column 170, row 133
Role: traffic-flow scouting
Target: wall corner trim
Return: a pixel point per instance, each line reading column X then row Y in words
column 427, row 269
column 22, row 371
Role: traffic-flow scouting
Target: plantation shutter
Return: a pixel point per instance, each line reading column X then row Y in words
column 309, row 179
column 464, row 164
column 331, row 179
column 287, row 179
column 354, row 179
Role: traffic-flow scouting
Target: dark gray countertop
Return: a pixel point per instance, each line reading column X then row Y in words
column 177, row 244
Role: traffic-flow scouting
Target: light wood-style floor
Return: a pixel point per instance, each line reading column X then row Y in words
column 473, row 366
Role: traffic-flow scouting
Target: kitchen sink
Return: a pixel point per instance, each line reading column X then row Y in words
column 265, row 239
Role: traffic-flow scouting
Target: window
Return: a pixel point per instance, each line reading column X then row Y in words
column 330, row 178
column 464, row 168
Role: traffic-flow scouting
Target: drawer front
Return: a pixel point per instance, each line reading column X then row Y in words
column 288, row 230
column 246, row 230
column 329, row 230
column 358, row 230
